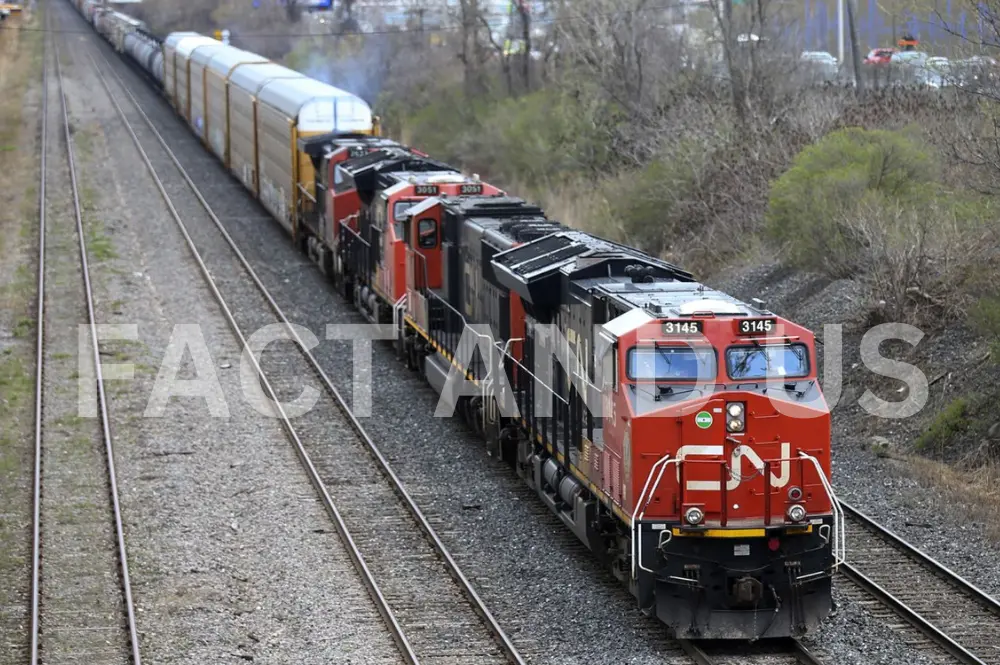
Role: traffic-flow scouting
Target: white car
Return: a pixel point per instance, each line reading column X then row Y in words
column 908, row 58
column 825, row 63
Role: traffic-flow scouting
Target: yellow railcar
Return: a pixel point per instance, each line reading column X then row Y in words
column 289, row 109
column 251, row 114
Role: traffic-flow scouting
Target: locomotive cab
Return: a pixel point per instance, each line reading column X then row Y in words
column 703, row 479
column 409, row 190
column 724, row 433
column 326, row 151
column 367, row 226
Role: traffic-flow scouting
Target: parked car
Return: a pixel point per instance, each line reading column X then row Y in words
column 977, row 71
column 936, row 72
column 820, row 65
column 879, row 56
column 914, row 58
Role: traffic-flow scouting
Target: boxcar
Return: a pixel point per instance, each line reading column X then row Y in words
column 217, row 71
column 287, row 110
column 177, row 50
column 244, row 85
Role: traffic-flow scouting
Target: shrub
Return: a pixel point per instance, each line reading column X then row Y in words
column 919, row 261
column 535, row 139
column 985, row 317
column 647, row 206
column 830, row 180
column 950, row 423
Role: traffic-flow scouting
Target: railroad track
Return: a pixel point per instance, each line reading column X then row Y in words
column 331, row 476
column 961, row 619
column 772, row 652
column 428, row 605
column 81, row 597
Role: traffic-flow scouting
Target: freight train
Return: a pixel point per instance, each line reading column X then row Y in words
column 679, row 432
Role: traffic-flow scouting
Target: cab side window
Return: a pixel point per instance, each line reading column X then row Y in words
column 427, row 233
column 342, row 182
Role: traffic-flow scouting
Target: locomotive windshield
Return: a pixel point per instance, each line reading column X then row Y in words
column 670, row 363
column 398, row 209
column 761, row 362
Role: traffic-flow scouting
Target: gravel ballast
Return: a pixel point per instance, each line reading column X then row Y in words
column 538, row 580
column 233, row 557
column 20, row 78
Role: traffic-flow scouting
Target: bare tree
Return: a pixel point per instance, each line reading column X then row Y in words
column 977, row 76
column 472, row 52
column 525, row 21
column 627, row 48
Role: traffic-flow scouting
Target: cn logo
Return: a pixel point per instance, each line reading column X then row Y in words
column 736, row 465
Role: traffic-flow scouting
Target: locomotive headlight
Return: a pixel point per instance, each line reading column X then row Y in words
column 694, row 515
column 796, row 513
column 736, row 420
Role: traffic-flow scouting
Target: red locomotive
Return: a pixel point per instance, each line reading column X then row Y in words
column 369, row 185
column 703, row 481
column 682, row 435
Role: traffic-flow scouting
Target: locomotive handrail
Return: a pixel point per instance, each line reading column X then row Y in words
column 465, row 324
column 429, row 292
column 538, row 380
column 839, row 535
column 345, row 220
column 397, row 312
column 487, row 382
column 575, row 373
column 640, row 510
column 306, row 192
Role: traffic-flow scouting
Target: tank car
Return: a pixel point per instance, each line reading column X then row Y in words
column 146, row 52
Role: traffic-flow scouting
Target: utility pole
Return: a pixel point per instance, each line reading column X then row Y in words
column 840, row 31
column 859, row 81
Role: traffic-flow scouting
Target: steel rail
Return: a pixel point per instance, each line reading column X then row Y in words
column 99, row 379
column 476, row 601
column 912, row 617
column 36, row 540
column 353, row 550
column 952, row 577
column 101, row 397
column 792, row 648
column 899, row 606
